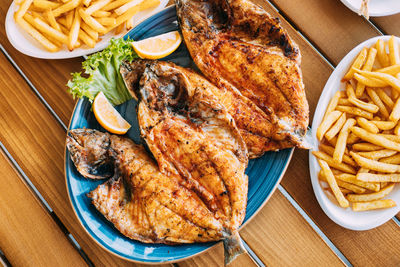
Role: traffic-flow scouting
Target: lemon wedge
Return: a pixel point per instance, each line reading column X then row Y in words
column 158, row 46
column 108, row 116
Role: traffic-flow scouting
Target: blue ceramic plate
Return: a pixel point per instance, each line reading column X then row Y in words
column 264, row 173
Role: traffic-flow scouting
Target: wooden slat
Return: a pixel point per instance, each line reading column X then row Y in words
column 329, row 24
column 389, row 24
column 214, row 257
column 297, row 180
column 36, row 141
column 28, row 235
column 279, row 236
column 48, row 76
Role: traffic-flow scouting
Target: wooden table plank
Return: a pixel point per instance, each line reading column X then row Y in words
column 389, row 24
column 28, row 235
column 49, row 76
column 214, row 257
column 330, row 25
column 280, row 237
column 36, row 141
column 297, row 180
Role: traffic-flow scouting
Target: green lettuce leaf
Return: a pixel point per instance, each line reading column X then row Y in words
column 101, row 73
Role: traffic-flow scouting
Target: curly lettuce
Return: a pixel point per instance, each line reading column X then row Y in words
column 101, row 73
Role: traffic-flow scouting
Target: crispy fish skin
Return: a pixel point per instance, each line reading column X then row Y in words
column 246, row 53
column 143, row 203
column 191, row 135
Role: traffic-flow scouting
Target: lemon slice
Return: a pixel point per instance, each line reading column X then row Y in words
column 158, row 46
column 108, row 116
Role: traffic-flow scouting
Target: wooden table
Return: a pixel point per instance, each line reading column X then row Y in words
column 39, row 228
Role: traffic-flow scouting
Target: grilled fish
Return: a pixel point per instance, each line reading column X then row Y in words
column 246, row 53
column 191, row 135
column 138, row 199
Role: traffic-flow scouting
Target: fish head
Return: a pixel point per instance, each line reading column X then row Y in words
column 90, row 152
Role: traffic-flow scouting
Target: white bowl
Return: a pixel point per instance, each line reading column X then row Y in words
column 376, row 8
column 347, row 218
column 25, row 43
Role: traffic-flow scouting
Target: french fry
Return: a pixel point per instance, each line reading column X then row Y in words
column 334, row 130
column 119, row 29
column 86, row 2
column 375, row 139
column 339, row 166
column 389, row 79
column 22, row 11
column 344, row 190
column 357, row 64
column 394, row 56
column 96, row 6
column 374, row 165
column 343, row 202
column 349, row 178
column 44, row 4
column 384, row 125
column 342, row 184
column 92, row 22
column 333, row 103
column 101, row 13
column 367, row 66
column 395, row 114
column 392, row 70
column 333, row 141
column 69, row 18
column 47, row 29
column 74, row 31
column 37, row 35
column 395, row 159
column 115, row 4
column 384, row 97
column 86, row 39
column 132, row 11
column 373, row 177
column 52, row 20
column 378, row 154
column 66, row 7
column 366, row 147
column 395, row 93
column 396, row 130
column 367, row 125
column 375, row 98
column 381, row 51
column 92, row 33
column 356, row 102
column 107, row 21
column 342, row 140
column 372, row 196
column 352, row 139
column 130, row 23
column 355, row 111
column 327, row 123
column 370, row 82
column 344, row 102
column 391, row 137
column 329, row 150
column 122, row 9
column 376, row 204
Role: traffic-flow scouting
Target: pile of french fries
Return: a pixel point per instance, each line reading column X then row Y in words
column 55, row 23
column 360, row 133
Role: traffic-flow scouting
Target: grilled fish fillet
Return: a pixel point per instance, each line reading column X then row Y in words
column 143, row 203
column 245, row 52
column 191, row 135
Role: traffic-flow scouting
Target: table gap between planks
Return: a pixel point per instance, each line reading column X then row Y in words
column 278, row 234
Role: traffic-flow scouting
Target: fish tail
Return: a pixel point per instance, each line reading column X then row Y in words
column 233, row 247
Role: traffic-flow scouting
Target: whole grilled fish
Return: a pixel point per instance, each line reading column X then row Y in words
column 246, row 53
column 191, row 135
column 139, row 200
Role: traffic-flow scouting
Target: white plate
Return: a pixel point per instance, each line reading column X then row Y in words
column 347, row 218
column 25, row 43
column 376, row 8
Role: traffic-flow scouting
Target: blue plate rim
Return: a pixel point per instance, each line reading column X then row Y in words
column 74, row 207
